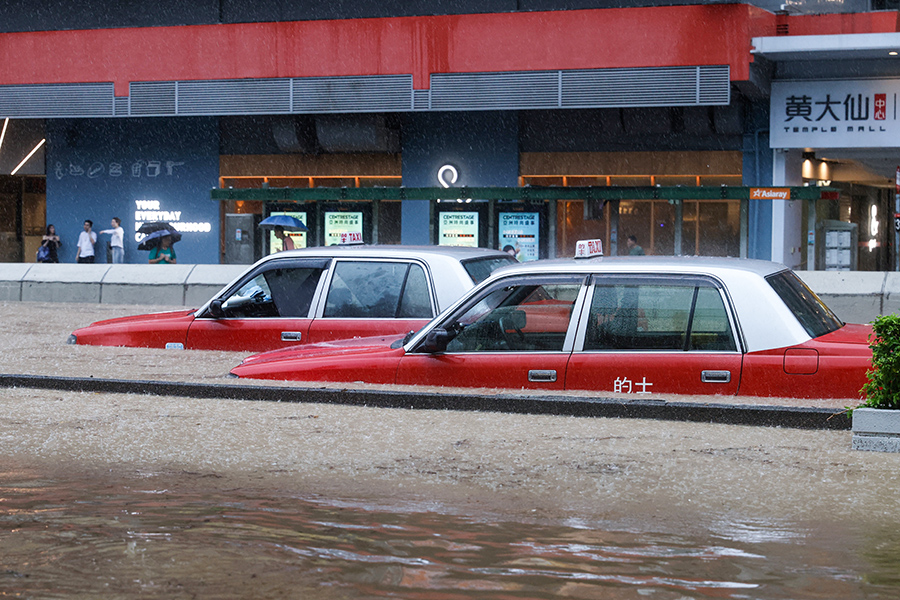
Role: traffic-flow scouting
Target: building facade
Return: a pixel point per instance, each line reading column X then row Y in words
column 139, row 112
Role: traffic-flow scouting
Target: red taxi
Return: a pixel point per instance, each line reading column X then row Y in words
column 312, row 295
column 629, row 325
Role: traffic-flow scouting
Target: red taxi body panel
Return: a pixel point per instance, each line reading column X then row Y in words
column 843, row 356
column 141, row 331
column 499, row 370
column 246, row 335
column 371, row 360
column 655, row 372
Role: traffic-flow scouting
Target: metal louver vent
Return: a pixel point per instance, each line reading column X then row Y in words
column 662, row 86
column 594, row 88
column 421, row 99
column 234, row 97
column 387, row 93
column 715, row 84
column 151, row 98
column 121, row 107
column 484, row 91
column 57, row 100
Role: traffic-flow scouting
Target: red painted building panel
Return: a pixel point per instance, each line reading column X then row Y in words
column 586, row 39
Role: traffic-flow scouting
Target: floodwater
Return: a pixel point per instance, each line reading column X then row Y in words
column 139, row 496
column 81, row 537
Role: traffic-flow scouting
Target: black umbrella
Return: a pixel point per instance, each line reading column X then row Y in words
column 152, row 240
column 152, row 226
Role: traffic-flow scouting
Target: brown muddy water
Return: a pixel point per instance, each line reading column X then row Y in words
column 83, row 537
column 139, row 496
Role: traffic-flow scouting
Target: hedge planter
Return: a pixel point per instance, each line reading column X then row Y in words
column 876, row 430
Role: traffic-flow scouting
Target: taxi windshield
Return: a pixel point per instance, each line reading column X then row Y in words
column 816, row 318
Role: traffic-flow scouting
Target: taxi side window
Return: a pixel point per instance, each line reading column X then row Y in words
column 516, row 318
column 658, row 317
column 378, row 290
column 280, row 292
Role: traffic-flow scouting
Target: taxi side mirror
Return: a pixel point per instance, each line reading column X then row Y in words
column 215, row 309
column 436, row 340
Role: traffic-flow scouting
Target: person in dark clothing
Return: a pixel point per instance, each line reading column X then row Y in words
column 52, row 243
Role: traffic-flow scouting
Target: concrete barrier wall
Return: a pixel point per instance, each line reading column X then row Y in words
column 176, row 285
column 856, row 296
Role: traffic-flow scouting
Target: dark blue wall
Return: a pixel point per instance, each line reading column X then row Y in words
column 483, row 146
column 98, row 168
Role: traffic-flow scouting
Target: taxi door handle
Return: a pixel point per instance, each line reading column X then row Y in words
column 544, row 375
column 715, row 376
column 291, row 336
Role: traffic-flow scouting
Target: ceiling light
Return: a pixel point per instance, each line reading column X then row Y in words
column 892, row 53
column 3, row 133
column 30, row 154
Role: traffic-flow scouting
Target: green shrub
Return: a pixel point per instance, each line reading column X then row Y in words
column 883, row 388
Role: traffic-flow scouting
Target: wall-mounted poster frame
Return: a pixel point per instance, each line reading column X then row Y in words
column 461, row 224
column 345, row 222
column 522, row 229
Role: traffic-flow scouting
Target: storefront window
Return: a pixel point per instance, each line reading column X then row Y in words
column 711, row 228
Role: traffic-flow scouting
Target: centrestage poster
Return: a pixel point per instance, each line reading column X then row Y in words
column 458, row 229
column 520, row 235
column 343, row 228
column 298, row 237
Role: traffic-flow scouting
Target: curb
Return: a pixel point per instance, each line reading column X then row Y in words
column 728, row 414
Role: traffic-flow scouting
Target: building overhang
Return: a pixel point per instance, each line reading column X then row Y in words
column 854, row 46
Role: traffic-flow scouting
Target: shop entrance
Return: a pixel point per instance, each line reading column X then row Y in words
column 710, row 221
column 23, row 206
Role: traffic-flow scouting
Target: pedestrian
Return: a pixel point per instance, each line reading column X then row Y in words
column 633, row 248
column 163, row 253
column 286, row 242
column 51, row 242
column 117, row 241
column 86, row 241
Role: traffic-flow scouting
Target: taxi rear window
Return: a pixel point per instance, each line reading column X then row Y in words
column 480, row 268
column 816, row 318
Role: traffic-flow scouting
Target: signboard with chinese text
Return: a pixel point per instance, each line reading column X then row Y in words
column 298, row 237
column 343, row 226
column 458, row 229
column 519, row 233
column 835, row 114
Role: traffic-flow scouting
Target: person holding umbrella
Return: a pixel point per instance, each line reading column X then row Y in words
column 279, row 224
column 159, row 239
column 163, row 253
column 286, row 242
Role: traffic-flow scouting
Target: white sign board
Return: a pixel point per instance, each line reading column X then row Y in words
column 859, row 113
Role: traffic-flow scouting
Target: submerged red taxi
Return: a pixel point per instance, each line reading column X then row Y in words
column 312, row 295
column 630, row 325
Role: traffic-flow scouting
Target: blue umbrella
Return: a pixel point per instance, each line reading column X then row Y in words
column 286, row 222
column 152, row 240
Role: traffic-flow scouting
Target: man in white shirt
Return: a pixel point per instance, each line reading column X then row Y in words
column 117, row 242
column 86, row 241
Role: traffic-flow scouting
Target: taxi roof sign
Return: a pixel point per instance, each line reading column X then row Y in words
column 350, row 238
column 588, row 248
